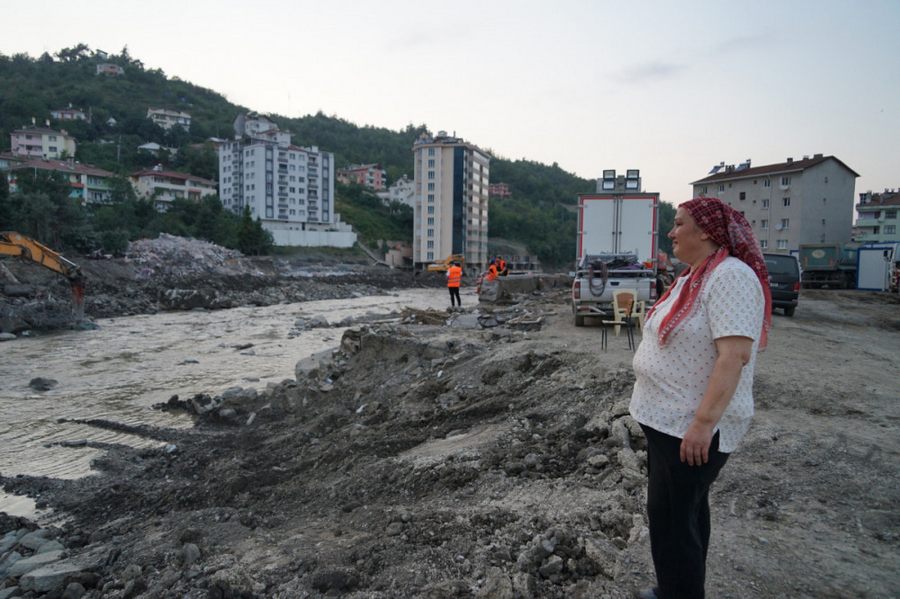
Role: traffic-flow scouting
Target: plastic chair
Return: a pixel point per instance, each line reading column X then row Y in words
column 623, row 304
column 639, row 313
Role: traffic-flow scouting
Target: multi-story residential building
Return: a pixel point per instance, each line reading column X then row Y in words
column 169, row 118
column 108, row 68
column 68, row 114
column 370, row 175
column 164, row 187
column 41, row 142
column 499, row 190
column 789, row 203
column 403, row 191
column 877, row 220
column 451, row 200
column 89, row 184
column 288, row 187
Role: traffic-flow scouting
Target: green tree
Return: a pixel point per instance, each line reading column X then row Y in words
column 252, row 239
column 666, row 222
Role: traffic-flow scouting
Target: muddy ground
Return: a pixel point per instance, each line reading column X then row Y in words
column 436, row 460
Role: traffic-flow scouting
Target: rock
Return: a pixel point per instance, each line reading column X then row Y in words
column 523, row 585
column 34, row 539
column 318, row 321
column 131, row 572
column 42, row 384
column 497, row 585
column 190, row 553
column 47, row 576
column 73, row 591
column 8, row 541
column 50, row 546
column 553, row 566
column 7, row 337
column 335, row 579
column 598, row 460
column 7, row 562
column 9, row 592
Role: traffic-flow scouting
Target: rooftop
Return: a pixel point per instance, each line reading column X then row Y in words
column 63, row 166
column 788, row 166
column 173, row 175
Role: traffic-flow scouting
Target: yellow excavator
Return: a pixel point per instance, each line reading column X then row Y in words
column 443, row 265
column 16, row 244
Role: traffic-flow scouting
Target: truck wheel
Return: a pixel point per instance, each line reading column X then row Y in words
column 579, row 320
column 789, row 311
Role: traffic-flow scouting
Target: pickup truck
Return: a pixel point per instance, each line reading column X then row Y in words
column 598, row 275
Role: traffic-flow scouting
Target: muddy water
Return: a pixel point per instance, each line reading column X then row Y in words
column 120, row 370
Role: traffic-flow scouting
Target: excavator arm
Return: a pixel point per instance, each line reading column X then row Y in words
column 16, row 244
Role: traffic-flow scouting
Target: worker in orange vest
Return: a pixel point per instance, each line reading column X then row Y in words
column 454, row 277
column 492, row 271
column 501, row 267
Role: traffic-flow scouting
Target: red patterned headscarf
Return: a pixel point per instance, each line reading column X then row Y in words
column 732, row 233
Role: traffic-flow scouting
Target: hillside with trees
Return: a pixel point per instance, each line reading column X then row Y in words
column 540, row 214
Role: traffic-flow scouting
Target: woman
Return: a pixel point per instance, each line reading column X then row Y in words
column 694, row 379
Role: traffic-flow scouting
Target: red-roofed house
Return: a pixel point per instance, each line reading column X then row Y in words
column 790, row 202
column 89, row 183
column 166, row 186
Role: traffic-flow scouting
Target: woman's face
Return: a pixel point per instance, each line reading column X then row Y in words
column 688, row 240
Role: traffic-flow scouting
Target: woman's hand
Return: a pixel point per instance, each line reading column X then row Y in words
column 695, row 444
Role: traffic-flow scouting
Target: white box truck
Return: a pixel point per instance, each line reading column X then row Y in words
column 617, row 249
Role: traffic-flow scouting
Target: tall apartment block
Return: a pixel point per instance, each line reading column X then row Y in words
column 788, row 203
column 290, row 188
column 451, row 201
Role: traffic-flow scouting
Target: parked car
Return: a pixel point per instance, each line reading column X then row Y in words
column 784, row 281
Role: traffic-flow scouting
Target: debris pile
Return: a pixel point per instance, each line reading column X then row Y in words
column 175, row 257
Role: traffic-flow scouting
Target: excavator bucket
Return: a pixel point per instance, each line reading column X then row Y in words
column 78, row 300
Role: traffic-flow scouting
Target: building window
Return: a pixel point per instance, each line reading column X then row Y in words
column 431, row 255
column 823, row 222
column 430, row 220
column 431, row 187
column 890, row 214
column 763, row 243
column 785, row 181
column 431, row 163
column 721, row 187
column 431, row 174
column 765, row 204
column 826, row 180
column 767, row 183
column 785, row 223
column 430, row 197
column 782, row 244
column 743, row 195
column 890, row 229
column 786, row 202
column 431, row 210
column 430, row 232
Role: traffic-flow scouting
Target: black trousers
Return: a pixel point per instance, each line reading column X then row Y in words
column 678, row 509
column 454, row 292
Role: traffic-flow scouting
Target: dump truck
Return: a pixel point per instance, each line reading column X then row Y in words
column 617, row 247
column 829, row 264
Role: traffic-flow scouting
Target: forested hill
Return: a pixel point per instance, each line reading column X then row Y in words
column 539, row 214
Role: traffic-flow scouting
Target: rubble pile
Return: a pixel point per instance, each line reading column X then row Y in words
column 175, row 257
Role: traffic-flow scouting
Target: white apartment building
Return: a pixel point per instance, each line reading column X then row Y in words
column 290, row 188
column 788, row 203
column 68, row 114
column 40, row 142
column 169, row 118
column 451, row 201
column 164, row 187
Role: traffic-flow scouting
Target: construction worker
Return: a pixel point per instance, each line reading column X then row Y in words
column 492, row 271
column 454, row 277
column 501, row 267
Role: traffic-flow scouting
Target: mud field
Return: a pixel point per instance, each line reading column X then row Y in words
column 434, row 457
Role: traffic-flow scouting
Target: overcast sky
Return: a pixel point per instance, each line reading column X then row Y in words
column 668, row 87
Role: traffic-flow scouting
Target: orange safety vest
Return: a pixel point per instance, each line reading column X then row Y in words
column 454, row 275
column 492, row 272
column 502, row 265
